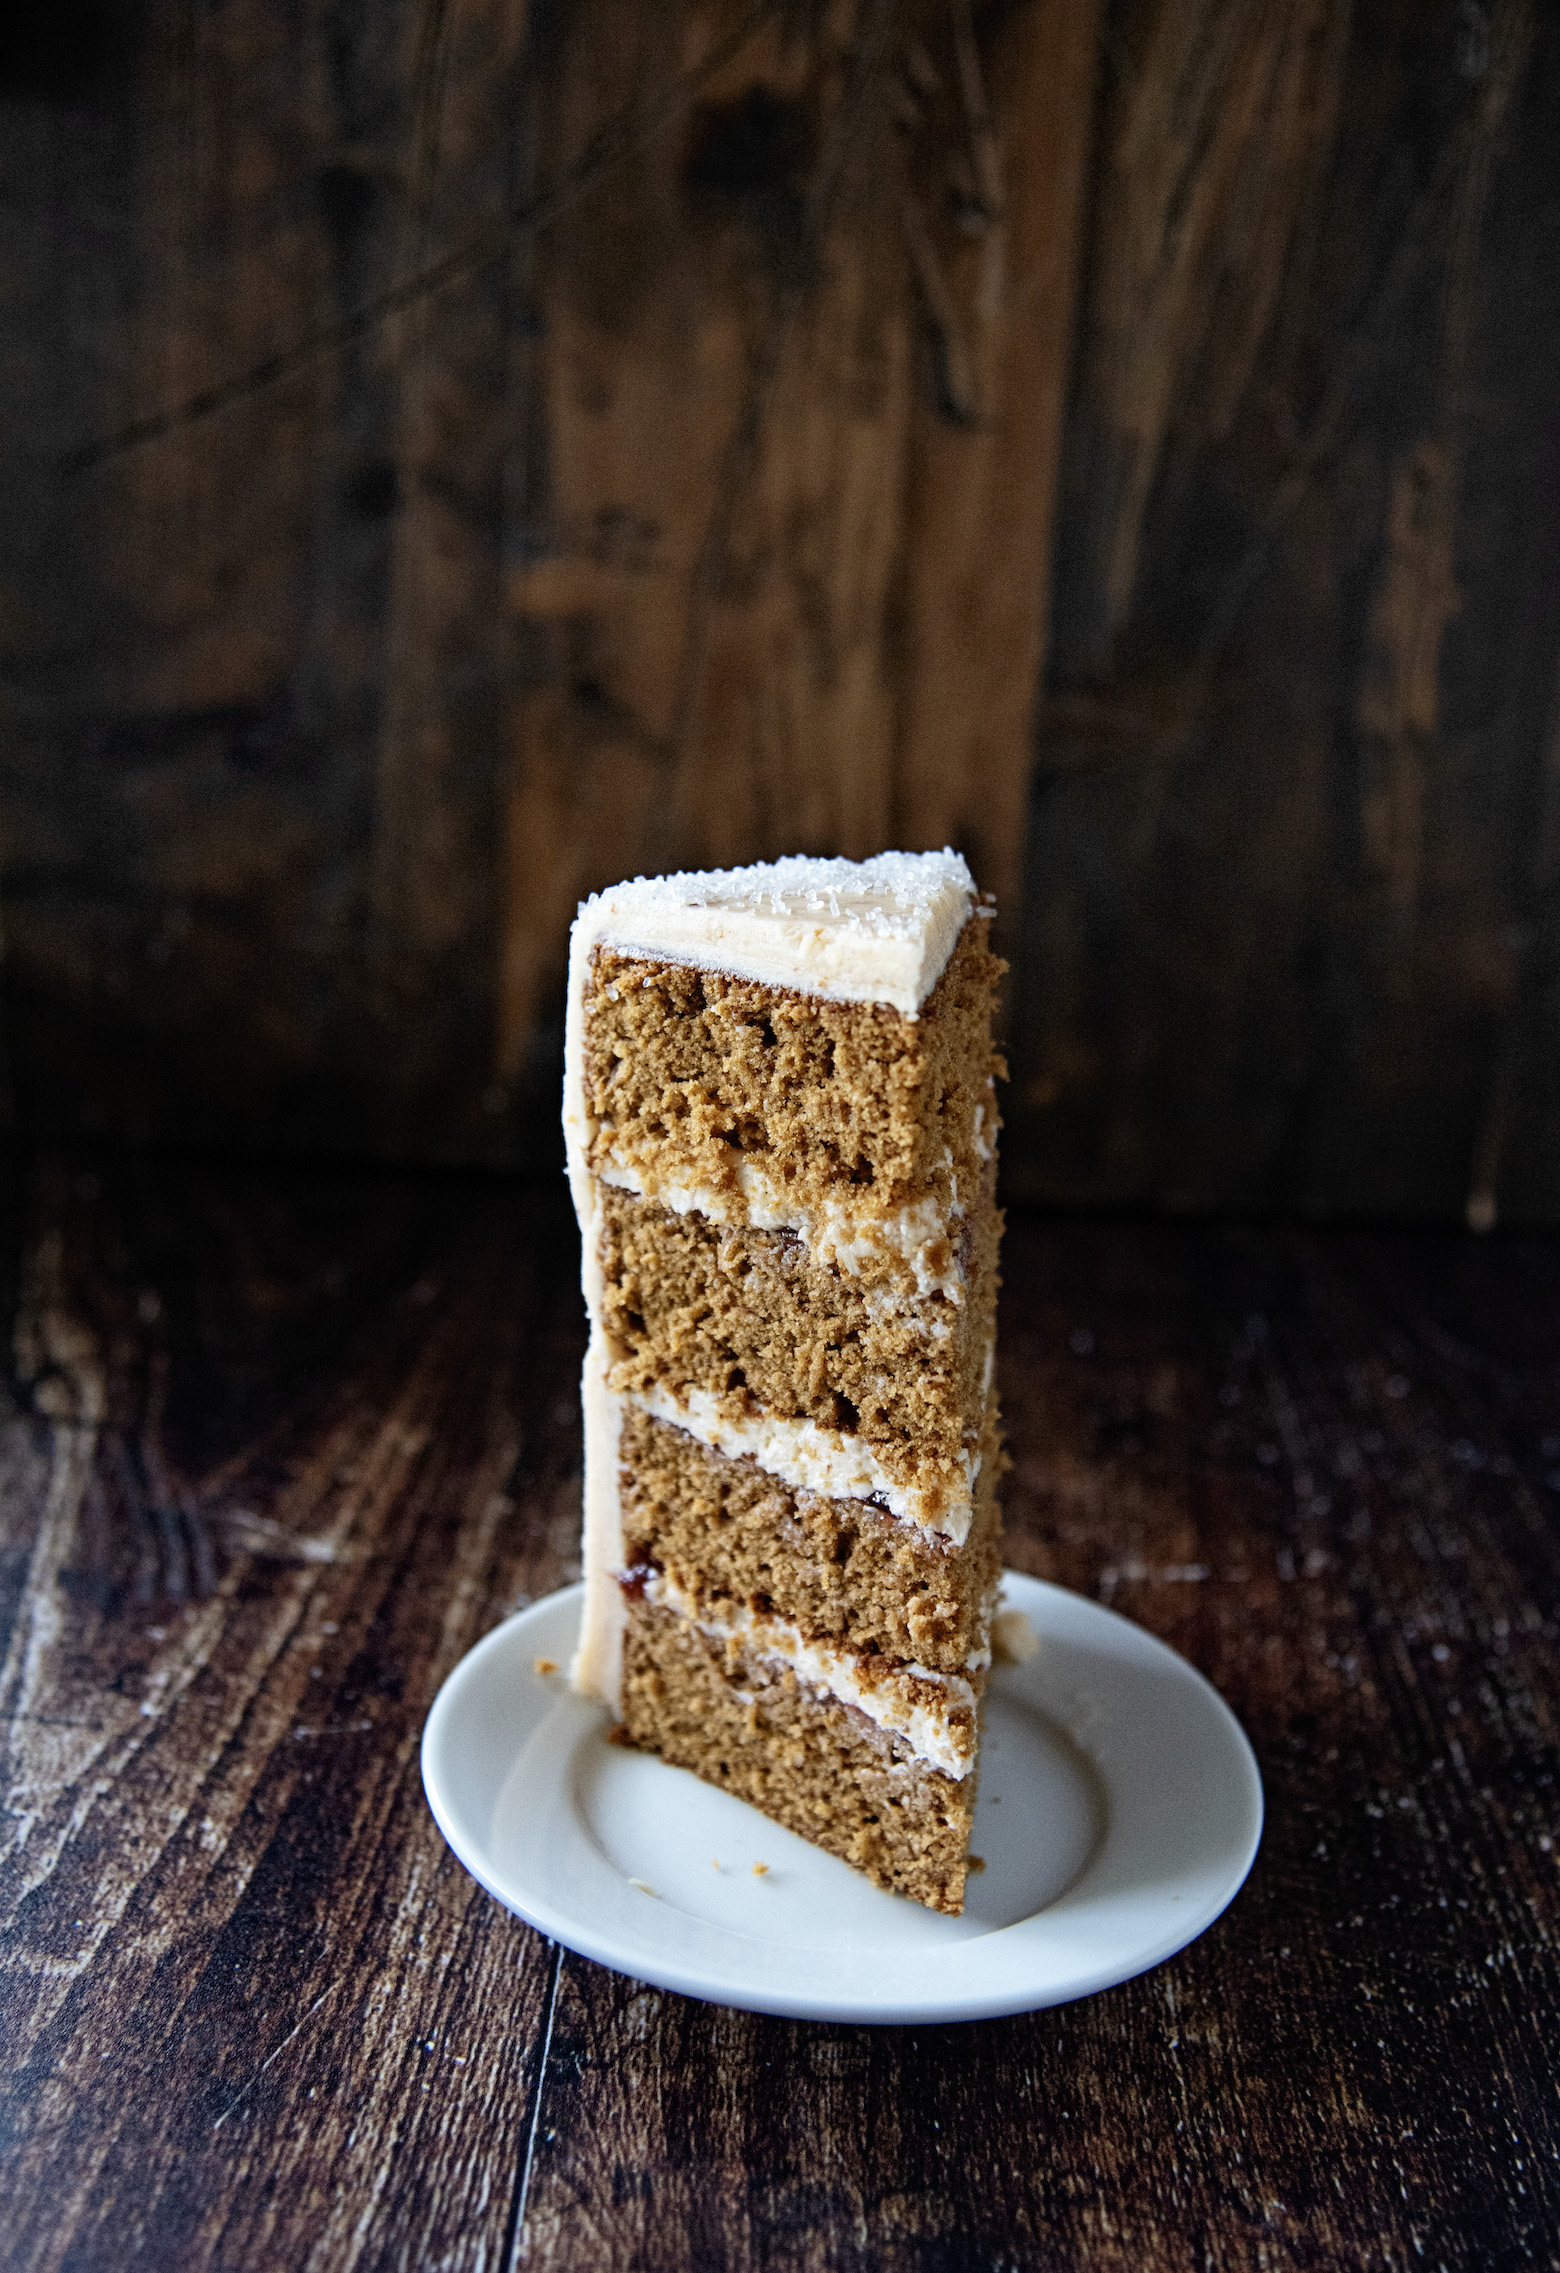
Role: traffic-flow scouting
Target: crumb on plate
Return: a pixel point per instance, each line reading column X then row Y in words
column 1013, row 1639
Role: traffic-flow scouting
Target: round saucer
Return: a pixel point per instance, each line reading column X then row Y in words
column 1119, row 1811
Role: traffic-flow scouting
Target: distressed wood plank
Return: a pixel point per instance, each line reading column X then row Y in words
column 998, row 220
column 476, row 457
column 226, row 1903
column 1324, row 1467
column 1289, row 908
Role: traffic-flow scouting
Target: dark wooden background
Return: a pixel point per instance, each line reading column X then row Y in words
column 457, row 453
column 279, row 1447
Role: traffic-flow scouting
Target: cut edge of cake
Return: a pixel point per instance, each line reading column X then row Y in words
column 875, row 933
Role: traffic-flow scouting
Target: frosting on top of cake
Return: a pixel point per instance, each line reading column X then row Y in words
column 878, row 930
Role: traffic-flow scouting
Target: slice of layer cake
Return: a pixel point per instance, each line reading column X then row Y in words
column 780, row 1112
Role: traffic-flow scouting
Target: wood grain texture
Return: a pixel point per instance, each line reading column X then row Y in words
column 250, row 752
column 998, row 284
column 476, row 454
column 278, row 1448
column 1289, row 902
column 243, row 1549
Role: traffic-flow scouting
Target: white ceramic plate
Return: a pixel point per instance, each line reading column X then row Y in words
column 1119, row 1811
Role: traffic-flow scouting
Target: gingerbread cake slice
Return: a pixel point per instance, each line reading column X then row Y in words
column 780, row 1113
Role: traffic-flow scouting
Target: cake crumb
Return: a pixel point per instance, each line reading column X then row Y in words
column 760, row 1870
column 1013, row 1639
column 545, row 1664
column 618, row 1734
column 976, row 1863
column 644, row 1889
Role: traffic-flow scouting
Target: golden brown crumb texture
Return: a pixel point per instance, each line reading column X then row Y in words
column 705, row 1089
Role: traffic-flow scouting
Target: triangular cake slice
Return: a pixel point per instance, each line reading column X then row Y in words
column 781, row 1121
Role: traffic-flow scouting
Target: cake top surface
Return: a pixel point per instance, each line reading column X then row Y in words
column 878, row 930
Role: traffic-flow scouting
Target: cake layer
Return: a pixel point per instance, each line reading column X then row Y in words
column 934, row 1493
column 744, row 1722
column 933, row 1714
column 749, row 1318
column 689, row 1074
column 730, row 1537
column 919, row 1249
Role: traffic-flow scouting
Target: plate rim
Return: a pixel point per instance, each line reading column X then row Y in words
column 1025, row 1993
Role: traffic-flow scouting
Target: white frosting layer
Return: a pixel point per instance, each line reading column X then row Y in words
column 597, row 1669
column 814, row 1459
column 889, row 1700
column 834, row 1233
column 854, row 931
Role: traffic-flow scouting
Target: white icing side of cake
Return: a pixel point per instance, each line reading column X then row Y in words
column 834, row 1233
column 889, row 1699
column 813, row 1459
column 876, row 930
column 597, row 1667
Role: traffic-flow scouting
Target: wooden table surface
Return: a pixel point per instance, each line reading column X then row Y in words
column 281, row 1446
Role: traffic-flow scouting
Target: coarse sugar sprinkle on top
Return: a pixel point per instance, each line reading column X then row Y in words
column 894, row 893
